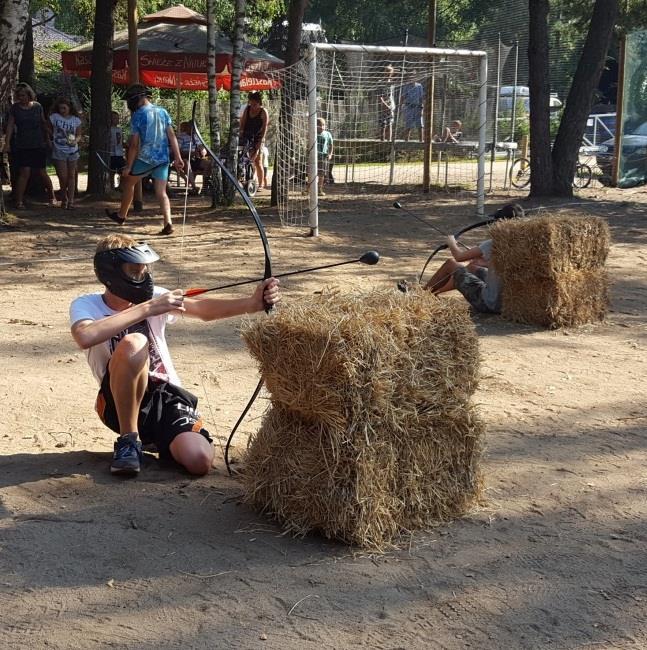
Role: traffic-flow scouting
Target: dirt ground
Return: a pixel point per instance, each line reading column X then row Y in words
column 556, row 557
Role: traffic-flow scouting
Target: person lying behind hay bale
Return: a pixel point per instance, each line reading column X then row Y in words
column 469, row 273
column 552, row 269
column 371, row 431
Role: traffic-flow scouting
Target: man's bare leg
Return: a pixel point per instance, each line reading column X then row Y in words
column 138, row 200
column 193, row 451
column 162, row 198
column 129, row 379
column 443, row 279
column 127, row 192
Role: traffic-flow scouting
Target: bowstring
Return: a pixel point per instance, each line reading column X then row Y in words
column 201, row 373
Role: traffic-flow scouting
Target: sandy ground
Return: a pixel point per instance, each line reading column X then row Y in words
column 556, row 557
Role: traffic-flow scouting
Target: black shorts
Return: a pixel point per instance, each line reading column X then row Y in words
column 34, row 158
column 117, row 163
column 166, row 411
column 252, row 142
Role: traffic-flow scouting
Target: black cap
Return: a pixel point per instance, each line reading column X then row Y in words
column 137, row 90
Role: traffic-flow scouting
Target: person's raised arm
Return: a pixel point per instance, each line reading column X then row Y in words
column 463, row 255
column 208, row 308
column 87, row 332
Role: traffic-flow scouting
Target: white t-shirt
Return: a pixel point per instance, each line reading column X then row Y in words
column 64, row 136
column 116, row 141
column 92, row 307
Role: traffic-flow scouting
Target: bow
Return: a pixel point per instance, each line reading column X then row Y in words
column 462, row 231
column 268, row 262
column 103, row 162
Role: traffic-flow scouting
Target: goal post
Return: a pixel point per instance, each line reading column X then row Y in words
column 371, row 98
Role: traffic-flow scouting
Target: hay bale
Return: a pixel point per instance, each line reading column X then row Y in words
column 568, row 300
column 334, row 358
column 371, row 431
column 552, row 269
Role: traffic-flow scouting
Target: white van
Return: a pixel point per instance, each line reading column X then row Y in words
column 506, row 95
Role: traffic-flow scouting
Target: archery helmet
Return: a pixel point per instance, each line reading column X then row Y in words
column 509, row 211
column 108, row 266
column 134, row 93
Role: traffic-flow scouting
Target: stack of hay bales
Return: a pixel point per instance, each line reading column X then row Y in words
column 552, row 269
column 371, row 430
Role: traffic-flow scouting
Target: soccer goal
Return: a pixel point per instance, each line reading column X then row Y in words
column 373, row 100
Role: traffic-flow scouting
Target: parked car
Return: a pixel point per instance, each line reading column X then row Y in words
column 634, row 158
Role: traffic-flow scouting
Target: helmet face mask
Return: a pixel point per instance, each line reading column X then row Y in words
column 109, row 268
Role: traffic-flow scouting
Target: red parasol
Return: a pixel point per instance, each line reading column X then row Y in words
column 172, row 54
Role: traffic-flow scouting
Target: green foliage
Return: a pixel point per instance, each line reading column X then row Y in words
column 77, row 16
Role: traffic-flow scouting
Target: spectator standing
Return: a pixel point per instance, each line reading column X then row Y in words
column 152, row 136
column 28, row 138
column 117, row 157
column 66, row 131
column 324, row 152
column 265, row 164
column 253, row 127
column 386, row 105
column 412, row 101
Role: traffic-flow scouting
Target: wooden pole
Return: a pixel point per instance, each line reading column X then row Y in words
column 133, row 77
column 133, row 50
column 429, row 103
column 617, row 147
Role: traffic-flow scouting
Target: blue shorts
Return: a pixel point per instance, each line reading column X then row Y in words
column 158, row 172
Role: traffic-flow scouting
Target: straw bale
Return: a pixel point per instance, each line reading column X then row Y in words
column 371, row 431
column 549, row 245
column 333, row 358
column 552, row 269
column 568, row 300
column 363, row 488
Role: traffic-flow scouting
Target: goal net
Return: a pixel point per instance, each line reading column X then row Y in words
column 374, row 100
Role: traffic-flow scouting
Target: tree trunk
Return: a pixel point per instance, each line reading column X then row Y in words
column 296, row 11
column 14, row 16
column 214, row 120
column 26, row 70
column 541, row 176
column 234, row 96
column 133, row 48
column 580, row 96
column 101, row 96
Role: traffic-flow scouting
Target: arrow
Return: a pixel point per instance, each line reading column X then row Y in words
column 370, row 258
column 399, row 206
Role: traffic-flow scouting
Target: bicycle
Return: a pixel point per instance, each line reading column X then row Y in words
column 520, row 174
column 246, row 171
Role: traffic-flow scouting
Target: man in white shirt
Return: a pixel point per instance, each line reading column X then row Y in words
column 122, row 331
